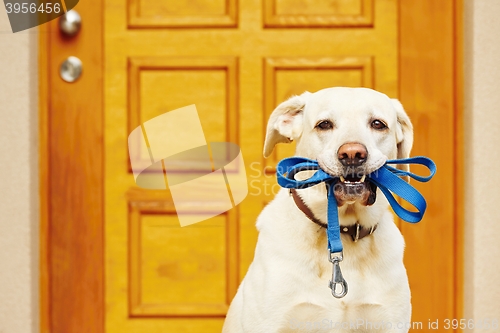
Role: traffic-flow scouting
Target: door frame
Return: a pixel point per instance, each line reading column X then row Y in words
column 65, row 268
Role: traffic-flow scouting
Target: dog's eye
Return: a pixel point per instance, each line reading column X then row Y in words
column 325, row 125
column 378, row 125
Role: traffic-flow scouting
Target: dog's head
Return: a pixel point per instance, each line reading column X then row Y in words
column 351, row 132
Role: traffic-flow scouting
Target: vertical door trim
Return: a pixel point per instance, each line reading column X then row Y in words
column 71, row 136
column 455, row 102
column 458, row 78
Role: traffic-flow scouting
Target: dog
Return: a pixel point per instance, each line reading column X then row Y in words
column 351, row 132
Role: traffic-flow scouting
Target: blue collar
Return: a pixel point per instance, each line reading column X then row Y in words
column 387, row 179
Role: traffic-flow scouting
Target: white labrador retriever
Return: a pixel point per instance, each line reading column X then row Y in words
column 351, row 132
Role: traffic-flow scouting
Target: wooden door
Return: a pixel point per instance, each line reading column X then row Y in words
column 236, row 60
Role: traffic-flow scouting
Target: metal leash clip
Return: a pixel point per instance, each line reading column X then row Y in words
column 337, row 278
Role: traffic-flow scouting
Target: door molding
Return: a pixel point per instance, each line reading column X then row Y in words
column 444, row 59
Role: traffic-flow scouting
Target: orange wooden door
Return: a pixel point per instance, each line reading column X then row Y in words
column 236, row 60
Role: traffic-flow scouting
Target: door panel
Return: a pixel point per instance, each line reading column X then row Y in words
column 185, row 13
column 285, row 77
column 310, row 13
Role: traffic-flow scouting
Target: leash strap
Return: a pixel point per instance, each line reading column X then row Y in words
column 387, row 178
column 286, row 171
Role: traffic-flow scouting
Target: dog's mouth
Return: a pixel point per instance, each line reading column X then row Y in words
column 351, row 188
column 353, row 184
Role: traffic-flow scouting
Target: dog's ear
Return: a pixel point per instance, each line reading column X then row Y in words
column 285, row 123
column 404, row 133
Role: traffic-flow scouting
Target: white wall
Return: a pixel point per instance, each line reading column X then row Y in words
column 482, row 159
column 18, row 180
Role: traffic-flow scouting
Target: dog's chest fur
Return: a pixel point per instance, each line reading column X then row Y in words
column 368, row 267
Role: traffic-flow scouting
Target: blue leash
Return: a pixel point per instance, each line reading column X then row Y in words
column 387, row 178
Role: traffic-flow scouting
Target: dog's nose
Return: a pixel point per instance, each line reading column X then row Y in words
column 352, row 154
